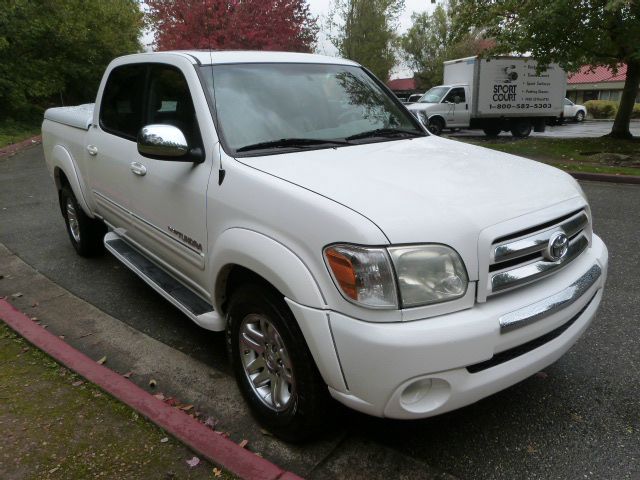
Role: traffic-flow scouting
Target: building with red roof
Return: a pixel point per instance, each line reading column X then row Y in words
column 403, row 87
column 601, row 83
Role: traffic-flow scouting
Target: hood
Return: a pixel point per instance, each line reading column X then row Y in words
column 425, row 190
column 417, row 107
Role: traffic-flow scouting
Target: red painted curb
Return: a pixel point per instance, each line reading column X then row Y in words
column 188, row 430
column 16, row 147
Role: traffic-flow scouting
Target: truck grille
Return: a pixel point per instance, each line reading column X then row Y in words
column 526, row 256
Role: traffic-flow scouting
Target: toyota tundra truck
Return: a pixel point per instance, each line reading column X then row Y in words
column 292, row 202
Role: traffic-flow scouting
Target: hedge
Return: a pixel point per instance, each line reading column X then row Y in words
column 608, row 109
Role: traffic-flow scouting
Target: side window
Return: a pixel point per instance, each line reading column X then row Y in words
column 567, row 102
column 170, row 102
column 453, row 93
column 121, row 106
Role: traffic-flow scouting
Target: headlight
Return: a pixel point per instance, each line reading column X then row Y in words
column 425, row 274
column 363, row 275
column 428, row 274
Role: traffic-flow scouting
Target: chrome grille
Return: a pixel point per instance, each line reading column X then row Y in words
column 520, row 258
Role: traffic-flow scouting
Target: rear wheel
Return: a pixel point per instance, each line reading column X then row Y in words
column 579, row 116
column 272, row 364
column 85, row 233
column 436, row 126
column 521, row 128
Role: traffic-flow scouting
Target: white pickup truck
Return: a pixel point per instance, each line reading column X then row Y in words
column 293, row 202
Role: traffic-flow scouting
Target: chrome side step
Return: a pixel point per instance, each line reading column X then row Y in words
column 171, row 289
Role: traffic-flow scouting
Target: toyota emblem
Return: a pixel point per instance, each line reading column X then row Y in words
column 557, row 248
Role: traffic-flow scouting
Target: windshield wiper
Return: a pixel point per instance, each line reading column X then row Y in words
column 291, row 142
column 386, row 132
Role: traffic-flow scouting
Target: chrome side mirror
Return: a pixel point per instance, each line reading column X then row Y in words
column 162, row 142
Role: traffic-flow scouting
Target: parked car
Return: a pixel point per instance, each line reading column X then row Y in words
column 413, row 98
column 296, row 205
column 572, row 111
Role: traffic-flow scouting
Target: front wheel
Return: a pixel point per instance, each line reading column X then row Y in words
column 579, row 116
column 272, row 364
column 85, row 233
column 435, row 126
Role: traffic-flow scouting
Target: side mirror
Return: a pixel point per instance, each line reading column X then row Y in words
column 163, row 142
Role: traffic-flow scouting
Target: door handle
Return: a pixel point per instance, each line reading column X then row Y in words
column 138, row 168
column 92, row 149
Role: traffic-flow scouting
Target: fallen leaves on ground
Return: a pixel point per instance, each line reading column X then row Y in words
column 211, row 423
column 194, row 462
column 243, row 443
column 77, row 383
column 17, row 295
column 164, row 440
column 153, row 383
column 128, row 374
column 217, row 472
column 102, row 361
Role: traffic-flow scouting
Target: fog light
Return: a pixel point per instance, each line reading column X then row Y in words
column 416, row 391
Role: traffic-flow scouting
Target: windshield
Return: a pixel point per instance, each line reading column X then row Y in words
column 292, row 106
column 434, row 95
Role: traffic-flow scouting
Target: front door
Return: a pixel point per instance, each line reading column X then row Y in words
column 458, row 108
column 168, row 198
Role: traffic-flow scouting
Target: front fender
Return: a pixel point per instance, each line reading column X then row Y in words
column 61, row 161
column 268, row 258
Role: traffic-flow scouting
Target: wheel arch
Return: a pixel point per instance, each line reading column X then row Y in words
column 439, row 117
column 64, row 171
column 241, row 254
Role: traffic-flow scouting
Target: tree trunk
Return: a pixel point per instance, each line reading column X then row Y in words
column 623, row 117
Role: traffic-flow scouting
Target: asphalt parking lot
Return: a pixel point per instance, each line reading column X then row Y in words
column 570, row 129
column 580, row 419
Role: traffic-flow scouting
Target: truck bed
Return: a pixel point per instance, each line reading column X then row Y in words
column 79, row 116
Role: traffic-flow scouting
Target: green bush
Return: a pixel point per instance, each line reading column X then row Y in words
column 602, row 108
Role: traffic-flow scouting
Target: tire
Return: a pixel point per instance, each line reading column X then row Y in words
column 435, row 126
column 259, row 319
column 521, row 128
column 492, row 131
column 579, row 116
column 86, row 234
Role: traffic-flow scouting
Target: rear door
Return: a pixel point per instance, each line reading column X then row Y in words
column 168, row 202
column 111, row 143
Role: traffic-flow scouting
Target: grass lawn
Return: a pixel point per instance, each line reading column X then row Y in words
column 592, row 155
column 54, row 425
column 14, row 132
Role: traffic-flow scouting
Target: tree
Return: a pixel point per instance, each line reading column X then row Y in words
column 437, row 37
column 366, row 32
column 233, row 24
column 57, row 50
column 588, row 32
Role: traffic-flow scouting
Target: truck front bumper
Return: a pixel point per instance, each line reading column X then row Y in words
column 426, row 367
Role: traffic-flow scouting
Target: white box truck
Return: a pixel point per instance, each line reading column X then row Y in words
column 493, row 94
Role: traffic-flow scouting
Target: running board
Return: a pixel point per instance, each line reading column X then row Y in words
column 171, row 289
